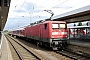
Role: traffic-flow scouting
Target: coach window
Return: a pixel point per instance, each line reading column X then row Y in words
column 45, row 26
column 20, row 31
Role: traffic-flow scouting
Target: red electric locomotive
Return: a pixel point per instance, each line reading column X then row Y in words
column 48, row 33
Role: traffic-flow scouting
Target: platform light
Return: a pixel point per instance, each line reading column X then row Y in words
column 1, row 16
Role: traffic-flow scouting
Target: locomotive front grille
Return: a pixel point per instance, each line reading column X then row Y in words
column 58, row 43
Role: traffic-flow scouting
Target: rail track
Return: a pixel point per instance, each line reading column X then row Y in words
column 22, row 52
column 73, row 55
column 43, row 53
column 81, row 48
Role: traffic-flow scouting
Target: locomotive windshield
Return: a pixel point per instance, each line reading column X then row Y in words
column 62, row 25
column 57, row 26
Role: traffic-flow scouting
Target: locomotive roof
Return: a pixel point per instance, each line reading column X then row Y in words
column 55, row 21
column 46, row 22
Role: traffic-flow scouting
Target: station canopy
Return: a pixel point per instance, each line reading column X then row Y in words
column 78, row 15
column 4, row 9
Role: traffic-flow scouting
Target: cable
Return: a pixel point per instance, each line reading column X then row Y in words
column 33, row 6
column 46, row 6
column 20, row 8
column 62, row 3
column 79, row 3
column 55, row 5
column 16, row 5
column 49, row 3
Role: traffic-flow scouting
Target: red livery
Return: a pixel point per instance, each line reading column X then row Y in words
column 48, row 33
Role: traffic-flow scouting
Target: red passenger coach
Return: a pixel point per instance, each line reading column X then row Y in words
column 48, row 33
column 20, row 32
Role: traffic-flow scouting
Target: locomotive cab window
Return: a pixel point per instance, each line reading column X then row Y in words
column 45, row 26
column 62, row 26
column 55, row 26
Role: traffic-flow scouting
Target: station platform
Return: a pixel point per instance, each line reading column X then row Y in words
column 5, row 53
column 80, row 43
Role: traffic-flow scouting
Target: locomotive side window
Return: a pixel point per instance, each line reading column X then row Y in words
column 55, row 26
column 62, row 25
column 45, row 26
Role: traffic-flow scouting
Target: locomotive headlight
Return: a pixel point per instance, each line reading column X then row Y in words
column 56, row 42
column 54, row 33
column 63, row 32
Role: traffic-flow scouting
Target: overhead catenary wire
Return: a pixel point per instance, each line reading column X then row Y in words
column 79, row 3
column 19, row 9
column 39, row 15
column 65, row 2
column 53, row 6
column 16, row 4
column 22, row 6
column 60, row 3
column 45, row 6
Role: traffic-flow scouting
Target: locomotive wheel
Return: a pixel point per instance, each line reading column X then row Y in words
column 46, row 45
column 40, row 43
